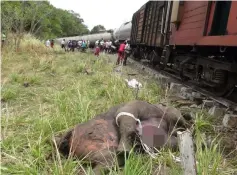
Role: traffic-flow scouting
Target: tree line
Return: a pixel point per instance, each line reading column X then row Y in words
column 41, row 19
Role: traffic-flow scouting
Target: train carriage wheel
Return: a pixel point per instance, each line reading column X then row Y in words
column 165, row 57
column 227, row 89
column 154, row 59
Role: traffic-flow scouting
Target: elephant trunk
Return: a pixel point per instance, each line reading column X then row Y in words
column 127, row 128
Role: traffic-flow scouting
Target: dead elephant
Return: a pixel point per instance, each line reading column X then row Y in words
column 116, row 131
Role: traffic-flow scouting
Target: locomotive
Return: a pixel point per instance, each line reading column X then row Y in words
column 196, row 40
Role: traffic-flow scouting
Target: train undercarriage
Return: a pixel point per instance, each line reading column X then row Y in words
column 212, row 69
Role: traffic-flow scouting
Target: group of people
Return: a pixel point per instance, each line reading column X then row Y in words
column 123, row 50
column 123, row 53
column 104, row 46
column 100, row 46
column 71, row 45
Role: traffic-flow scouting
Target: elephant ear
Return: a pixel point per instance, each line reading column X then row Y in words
column 174, row 116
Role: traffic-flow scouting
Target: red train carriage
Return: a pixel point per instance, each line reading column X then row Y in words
column 204, row 38
column 195, row 39
column 204, row 23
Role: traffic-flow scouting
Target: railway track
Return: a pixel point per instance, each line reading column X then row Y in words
column 229, row 104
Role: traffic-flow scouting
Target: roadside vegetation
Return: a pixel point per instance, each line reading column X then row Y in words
column 46, row 91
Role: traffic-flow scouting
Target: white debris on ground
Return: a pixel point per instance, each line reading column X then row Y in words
column 133, row 83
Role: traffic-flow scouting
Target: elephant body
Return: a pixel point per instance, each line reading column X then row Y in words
column 101, row 138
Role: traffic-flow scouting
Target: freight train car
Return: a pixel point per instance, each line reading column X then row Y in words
column 92, row 38
column 120, row 34
column 196, row 40
column 150, row 30
column 123, row 32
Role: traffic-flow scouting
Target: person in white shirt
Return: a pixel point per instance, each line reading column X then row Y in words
column 63, row 43
column 47, row 43
column 107, row 46
column 102, row 42
column 102, row 45
column 88, row 43
column 127, row 52
column 80, row 43
column 97, row 42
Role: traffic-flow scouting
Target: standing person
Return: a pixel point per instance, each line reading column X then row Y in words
column 69, row 45
column 121, row 53
column 74, row 45
column 88, row 43
column 63, row 43
column 102, row 44
column 97, row 43
column 80, row 43
column 52, row 43
column 109, row 46
column 83, row 46
column 3, row 39
column 47, row 43
column 126, row 53
column 97, row 50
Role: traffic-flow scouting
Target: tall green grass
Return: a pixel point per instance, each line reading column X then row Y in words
column 60, row 95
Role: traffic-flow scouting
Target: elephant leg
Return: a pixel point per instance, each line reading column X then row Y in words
column 99, row 170
column 105, row 160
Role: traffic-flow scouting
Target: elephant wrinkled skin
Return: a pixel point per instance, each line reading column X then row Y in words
column 100, row 139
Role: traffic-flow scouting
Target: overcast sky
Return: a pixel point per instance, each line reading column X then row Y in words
column 109, row 13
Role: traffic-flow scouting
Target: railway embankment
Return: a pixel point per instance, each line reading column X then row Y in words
column 46, row 91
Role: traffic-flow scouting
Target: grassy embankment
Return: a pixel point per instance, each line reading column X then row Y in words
column 60, row 94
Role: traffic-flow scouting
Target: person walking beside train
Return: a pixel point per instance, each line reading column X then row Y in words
column 3, row 39
column 52, row 43
column 47, row 43
column 102, row 45
column 79, row 43
column 110, row 45
column 126, row 53
column 63, row 44
column 121, row 53
column 97, row 42
column 88, row 44
column 107, row 46
column 97, row 50
column 69, row 45
column 83, row 46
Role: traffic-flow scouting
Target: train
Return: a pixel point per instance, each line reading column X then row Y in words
column 119, row 35
column 123, row 32
column 194, row 40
